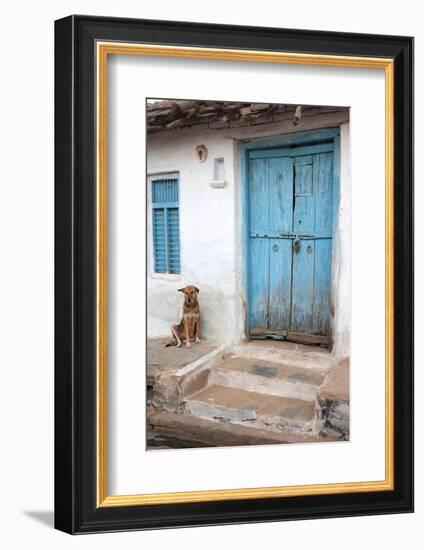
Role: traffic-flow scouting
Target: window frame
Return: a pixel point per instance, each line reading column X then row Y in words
column 151, row 178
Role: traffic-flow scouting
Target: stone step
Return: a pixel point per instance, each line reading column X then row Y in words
column 267, row 377
column 286, row 353
column 238, row 406
column 176, row 430
column 333, row 401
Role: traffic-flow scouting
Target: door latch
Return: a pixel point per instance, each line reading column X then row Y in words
column 296, row 244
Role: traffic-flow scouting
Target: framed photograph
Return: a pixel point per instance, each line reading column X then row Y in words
column 234, row 269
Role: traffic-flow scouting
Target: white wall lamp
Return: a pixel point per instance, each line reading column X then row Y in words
column 202, row 153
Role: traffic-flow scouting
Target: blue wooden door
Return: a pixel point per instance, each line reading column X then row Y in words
column 290, row 242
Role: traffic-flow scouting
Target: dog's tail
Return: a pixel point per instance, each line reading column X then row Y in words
column 169, row 344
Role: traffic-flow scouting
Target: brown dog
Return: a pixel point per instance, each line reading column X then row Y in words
column 188, row 330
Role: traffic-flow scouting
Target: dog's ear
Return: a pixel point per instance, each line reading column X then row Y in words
column 196, row 289
column 181, row 289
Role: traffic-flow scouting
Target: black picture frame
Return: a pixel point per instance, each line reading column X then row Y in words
column 76, row 510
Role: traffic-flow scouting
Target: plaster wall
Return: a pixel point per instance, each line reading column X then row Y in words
column 208, row 236
column 341, row 284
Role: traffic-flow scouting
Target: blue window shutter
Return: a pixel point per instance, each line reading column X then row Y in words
column 165, row 191
column 166, row 226
column 159, row 240
column 173, row 240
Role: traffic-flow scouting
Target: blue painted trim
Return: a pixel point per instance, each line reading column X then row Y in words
column 297, row 138
column 245, row 213
column 165, row 210
column 291, row 152
column 336, row 181
column 170, row 191
column 291, row 235
column 165, row 205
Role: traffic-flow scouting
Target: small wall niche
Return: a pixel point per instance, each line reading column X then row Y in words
column 218, row 181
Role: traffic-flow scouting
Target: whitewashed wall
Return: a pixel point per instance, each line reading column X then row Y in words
column 210, row 229
column 207, row 235
column 341, row 286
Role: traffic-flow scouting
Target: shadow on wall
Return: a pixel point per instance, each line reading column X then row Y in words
column 46, row 517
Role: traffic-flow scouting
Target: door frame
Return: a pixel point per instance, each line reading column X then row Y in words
column 307, row 138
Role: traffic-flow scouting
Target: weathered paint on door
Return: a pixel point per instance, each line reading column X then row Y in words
column 290, row 194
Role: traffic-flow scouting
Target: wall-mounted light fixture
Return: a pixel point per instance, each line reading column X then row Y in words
column 202, row 153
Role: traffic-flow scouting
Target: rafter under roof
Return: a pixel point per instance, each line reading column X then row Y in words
column 177, row 114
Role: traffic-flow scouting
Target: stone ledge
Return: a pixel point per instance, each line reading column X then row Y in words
column 336, row 384
column 333, row 400
column 195, row 432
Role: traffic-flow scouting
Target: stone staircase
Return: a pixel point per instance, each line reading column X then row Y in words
column 247, row 394
column 239, row 406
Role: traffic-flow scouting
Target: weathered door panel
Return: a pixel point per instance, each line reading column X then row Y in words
column 258, row 197
column 259, row 283
column 304, row 207
column 280, row 195
column 290, row 241
column 322, row 287
column 280, row 270
column 303, row 287
column 323, row 194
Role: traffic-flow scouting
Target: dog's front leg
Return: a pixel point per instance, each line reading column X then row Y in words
column 187, row 334
column 176, row 334
column 197, row 333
